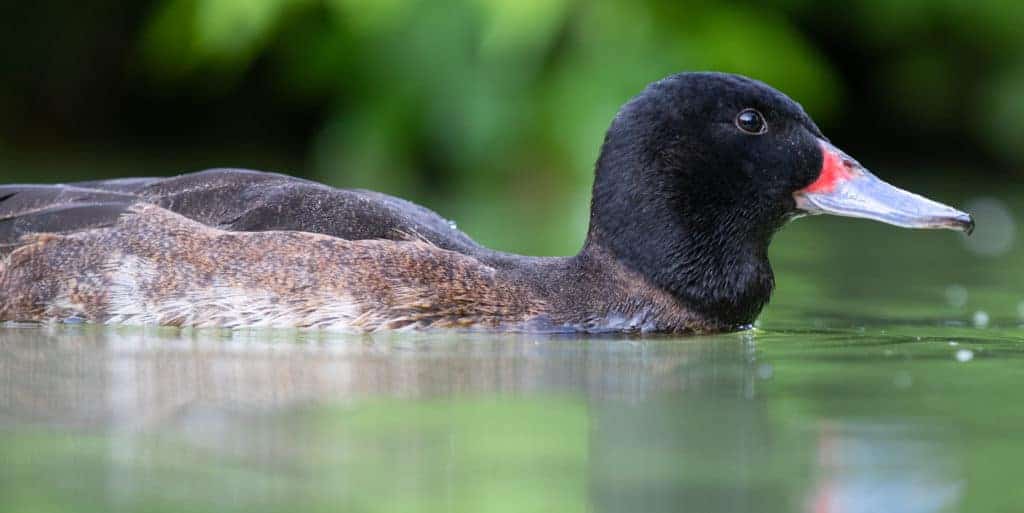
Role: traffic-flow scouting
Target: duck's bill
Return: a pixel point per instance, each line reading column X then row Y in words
column 845, row 188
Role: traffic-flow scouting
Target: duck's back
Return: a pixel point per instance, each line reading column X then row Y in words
column 230, row 199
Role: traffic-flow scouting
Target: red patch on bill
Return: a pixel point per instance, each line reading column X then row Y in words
column 833, row 171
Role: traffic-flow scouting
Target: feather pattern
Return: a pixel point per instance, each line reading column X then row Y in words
column 157, row 267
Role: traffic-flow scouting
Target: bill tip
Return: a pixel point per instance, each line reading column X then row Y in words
column 967, row 224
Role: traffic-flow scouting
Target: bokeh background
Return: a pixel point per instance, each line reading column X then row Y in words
column 488, row 111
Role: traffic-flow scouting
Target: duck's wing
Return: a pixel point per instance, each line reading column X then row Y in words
column 241, row 200
column 231, row 199
column 28, row 209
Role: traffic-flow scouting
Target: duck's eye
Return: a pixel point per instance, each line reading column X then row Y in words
column 751, row 122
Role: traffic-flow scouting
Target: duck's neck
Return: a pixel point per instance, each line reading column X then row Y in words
column 713, row 268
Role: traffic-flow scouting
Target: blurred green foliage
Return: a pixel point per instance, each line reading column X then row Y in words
column 478, row 90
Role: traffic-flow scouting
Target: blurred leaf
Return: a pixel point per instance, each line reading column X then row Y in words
column 186, row 36
column 999, row 114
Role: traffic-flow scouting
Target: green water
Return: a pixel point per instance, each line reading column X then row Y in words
column 884, row 377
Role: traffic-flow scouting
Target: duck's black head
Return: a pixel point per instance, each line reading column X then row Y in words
column 698, row 172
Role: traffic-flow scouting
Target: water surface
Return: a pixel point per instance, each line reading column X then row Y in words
column 885, row 376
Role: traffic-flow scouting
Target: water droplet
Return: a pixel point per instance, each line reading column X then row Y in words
column 953, row 343
column 964, row 355
column 996, row 227
column 956, row 296
column 765, row 371
column 452, row 225
column 980, row 319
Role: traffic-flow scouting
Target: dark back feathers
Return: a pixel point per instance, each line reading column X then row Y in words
column 232, row 199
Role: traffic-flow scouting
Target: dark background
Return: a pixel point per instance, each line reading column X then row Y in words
column 485, row 109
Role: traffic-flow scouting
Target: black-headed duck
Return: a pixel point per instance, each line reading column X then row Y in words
column 695, row 175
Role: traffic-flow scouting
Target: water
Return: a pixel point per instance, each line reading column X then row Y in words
column 869, row 385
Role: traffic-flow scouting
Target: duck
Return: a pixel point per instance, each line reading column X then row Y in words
column 695, row 175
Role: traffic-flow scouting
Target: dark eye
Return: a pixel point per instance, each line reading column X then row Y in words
column 751, row 122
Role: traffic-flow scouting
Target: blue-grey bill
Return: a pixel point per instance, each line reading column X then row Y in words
column 853, row 191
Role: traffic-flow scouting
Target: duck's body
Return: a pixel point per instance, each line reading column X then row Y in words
column 235, row 248
column 680, row 226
